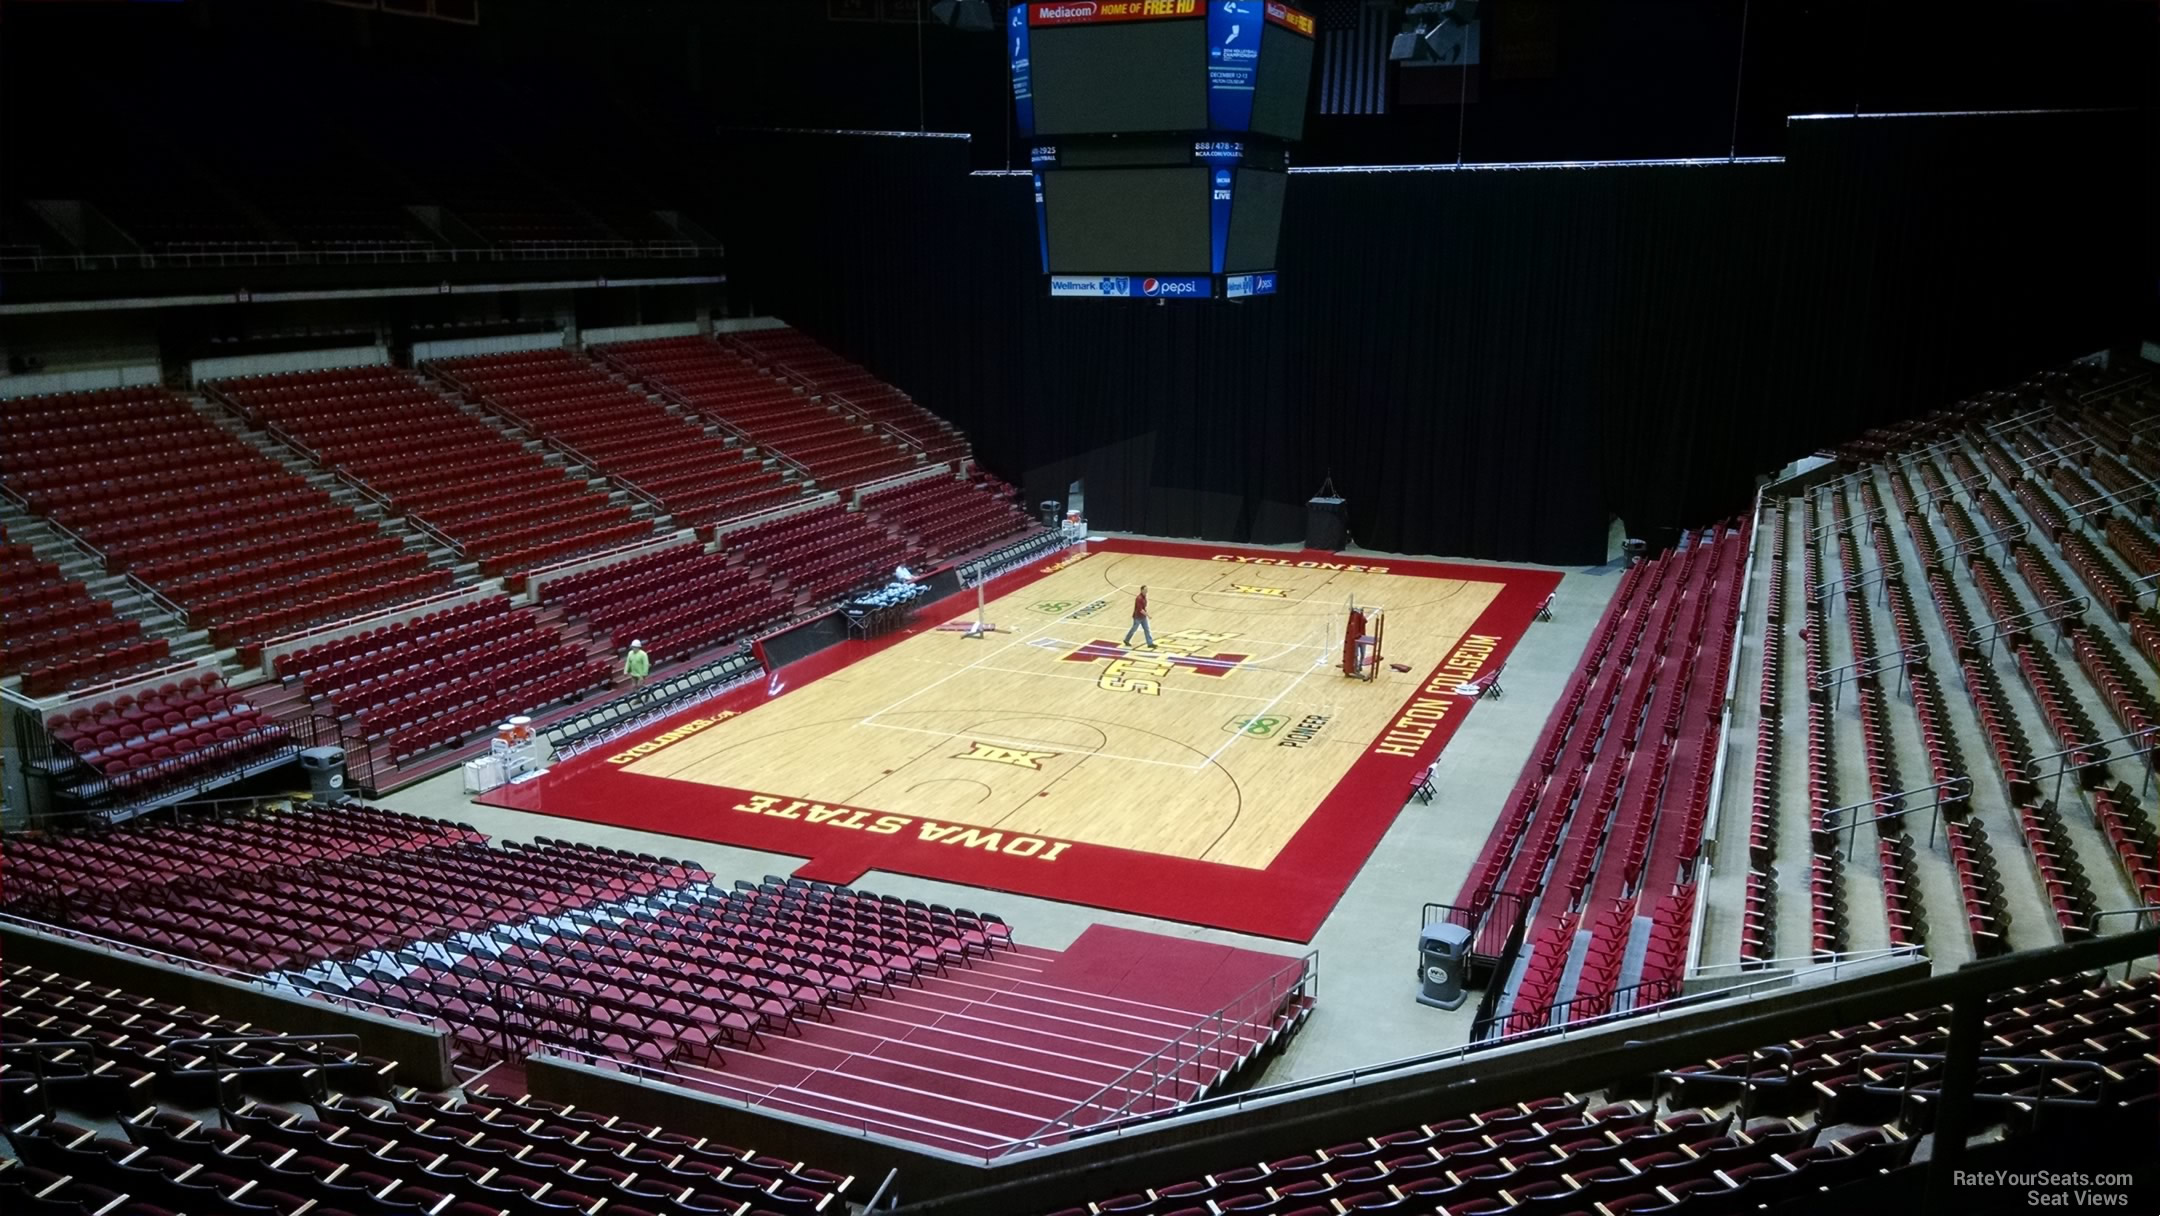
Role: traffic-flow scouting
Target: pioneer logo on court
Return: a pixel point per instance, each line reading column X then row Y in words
column 1004, row 755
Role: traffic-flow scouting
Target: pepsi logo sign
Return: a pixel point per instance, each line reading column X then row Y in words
column 1157, row 288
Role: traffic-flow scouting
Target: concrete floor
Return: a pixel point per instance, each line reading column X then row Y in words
column 1368, row 945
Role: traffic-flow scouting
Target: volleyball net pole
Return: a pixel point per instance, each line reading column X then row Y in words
column 1364, row 635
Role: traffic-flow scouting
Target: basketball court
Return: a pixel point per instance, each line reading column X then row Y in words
column 1233, row 774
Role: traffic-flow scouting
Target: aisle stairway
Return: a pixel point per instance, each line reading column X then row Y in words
column 1970, row 560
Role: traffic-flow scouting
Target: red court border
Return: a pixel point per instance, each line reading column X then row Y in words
column 1288, row 900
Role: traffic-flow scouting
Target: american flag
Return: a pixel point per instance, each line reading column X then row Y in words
column 1354, row 37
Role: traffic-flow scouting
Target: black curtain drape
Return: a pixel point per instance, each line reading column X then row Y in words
column 1489, row 362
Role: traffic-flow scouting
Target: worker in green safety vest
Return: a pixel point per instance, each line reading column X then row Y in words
column 637, row 664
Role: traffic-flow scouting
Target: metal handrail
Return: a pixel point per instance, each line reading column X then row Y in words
column 2131, row 380
column 421, row 255
column 607, row 731
column 2149, row 737
column 1811, row 960
column 848, row 403
column 1950, row 489
column 1012, row 557
column 1870, row 665
column 564, row 446
column 702, row 413
column 2038, row 411
column 1067, row 1119
column 538, row 576
column 886, row 1196
column 1861, row 579
column 2045, row 1064
column 1871, row 517
column 1955, row 782
column 1983, row 537
column 2077, row 603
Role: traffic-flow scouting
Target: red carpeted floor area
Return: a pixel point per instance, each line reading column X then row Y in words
column 1028, row 1044
column 1287, row 899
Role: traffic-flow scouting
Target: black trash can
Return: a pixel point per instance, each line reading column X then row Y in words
column 1443, row 953
column 325, row 767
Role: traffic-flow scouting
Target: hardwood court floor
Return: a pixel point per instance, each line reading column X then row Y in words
column 1215, row 745
column 1230, row 776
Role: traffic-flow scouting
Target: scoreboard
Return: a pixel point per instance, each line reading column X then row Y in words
column 1160, row 129
column 1107, row 67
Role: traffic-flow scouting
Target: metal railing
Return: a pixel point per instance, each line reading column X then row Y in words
column 1863, row 579
column 1581, row 1010
column 2047, row 614
column 612, row 719
column 1808, row 962
column 1490, row 924
column 1012, row 557
column 540, row 576
column 1955, row 791
column 330, row 631
column 1869, row 666
column 1195, row 1058
column 117, row 796
column 2098, row 756
column 419, row 255
column 1981, row 538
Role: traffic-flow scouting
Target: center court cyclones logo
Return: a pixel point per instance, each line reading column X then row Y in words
column 1142, row 671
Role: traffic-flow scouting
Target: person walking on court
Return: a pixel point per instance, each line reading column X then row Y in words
column 1139, row 619
column 637, row 665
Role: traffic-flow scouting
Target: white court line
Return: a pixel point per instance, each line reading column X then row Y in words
column 1031, row 744
column 1059, row 675
column 988, row 653
column 1240, row 638
column 1317, row 664
column 1307, row 598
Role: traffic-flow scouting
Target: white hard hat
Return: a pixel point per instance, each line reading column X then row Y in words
column 635, row 644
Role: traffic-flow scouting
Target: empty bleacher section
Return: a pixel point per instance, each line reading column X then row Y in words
column 1602, row 830
column 488, row 497
column 265, row 893
column 233, row 541
column 907, row 1019
column 817, row 555
column 798, row 357
column 180, row 737
column 948, row 516
column 54, row 633
column 1980, row 724
column 835, row 445
column 568, row 402
column 1791, row 1122
column 917, row 1020
column 215, row 1114
column 104, row 1052
column 677, row 600
column 437, row 678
